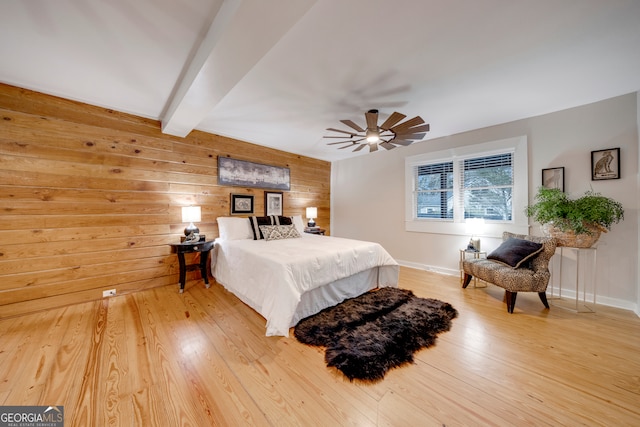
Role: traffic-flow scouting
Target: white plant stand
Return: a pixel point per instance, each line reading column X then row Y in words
column 583, row 276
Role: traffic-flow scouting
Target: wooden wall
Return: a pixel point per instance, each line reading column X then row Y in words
column 90, row 198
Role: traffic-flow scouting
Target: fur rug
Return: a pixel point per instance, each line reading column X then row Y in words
column 377, row 331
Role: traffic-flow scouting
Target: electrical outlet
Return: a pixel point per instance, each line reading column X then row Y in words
column 109, row 293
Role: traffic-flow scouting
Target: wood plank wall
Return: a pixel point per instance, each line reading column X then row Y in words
column 90, row 198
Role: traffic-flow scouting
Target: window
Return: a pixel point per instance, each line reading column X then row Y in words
column 488, row 181
column 486, row 186
column 434, row 190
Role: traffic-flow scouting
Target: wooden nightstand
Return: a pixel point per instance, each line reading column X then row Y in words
column 182, row 248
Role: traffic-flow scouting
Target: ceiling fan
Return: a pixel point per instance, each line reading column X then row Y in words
column 388, row 135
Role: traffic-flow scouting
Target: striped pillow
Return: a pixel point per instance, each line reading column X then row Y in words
column 256, row 222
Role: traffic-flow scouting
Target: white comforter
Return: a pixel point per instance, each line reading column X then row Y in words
column 271, row 276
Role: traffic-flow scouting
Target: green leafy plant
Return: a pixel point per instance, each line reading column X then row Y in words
column 554, row 206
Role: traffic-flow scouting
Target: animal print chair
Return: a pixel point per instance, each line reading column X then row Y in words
column 530, row 274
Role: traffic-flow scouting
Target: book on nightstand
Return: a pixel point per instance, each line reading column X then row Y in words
column 201, row 238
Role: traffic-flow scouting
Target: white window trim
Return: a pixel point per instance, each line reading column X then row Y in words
column 519, row 224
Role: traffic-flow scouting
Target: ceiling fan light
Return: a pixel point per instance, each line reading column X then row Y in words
column 373, row 136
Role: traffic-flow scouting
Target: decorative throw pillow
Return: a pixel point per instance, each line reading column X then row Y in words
column 256, row 222
column 514, row 252
column 282, row 220
column 279, row 232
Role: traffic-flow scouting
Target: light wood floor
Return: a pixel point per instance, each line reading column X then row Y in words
column 201, row 358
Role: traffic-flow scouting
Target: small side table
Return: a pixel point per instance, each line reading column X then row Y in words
column 182, row 248
column 463, row 256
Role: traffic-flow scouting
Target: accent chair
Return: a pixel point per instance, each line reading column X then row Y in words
column 529, row 274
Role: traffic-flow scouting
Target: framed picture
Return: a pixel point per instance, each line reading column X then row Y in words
column 553, row 178
column 241, row 204
column 272, row 203
column 248, row 174
column 605, row 164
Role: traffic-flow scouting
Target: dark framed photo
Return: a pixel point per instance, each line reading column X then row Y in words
column 553, row 178
column 272, row 203
column 241, row 204
column 605, row 164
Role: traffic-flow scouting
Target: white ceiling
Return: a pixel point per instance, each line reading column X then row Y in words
column 279, row 72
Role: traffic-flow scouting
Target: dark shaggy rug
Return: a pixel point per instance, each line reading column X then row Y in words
column 370, row 334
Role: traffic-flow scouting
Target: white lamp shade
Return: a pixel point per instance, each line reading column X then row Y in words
column 312, row 213
column 191, row 214
column 474, row 226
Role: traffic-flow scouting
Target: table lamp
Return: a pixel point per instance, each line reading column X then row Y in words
column 311, row 214
column 191, row 214
column 474, row 226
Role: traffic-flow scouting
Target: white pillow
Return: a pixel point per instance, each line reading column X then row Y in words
column 234, row 228
column 297, row 221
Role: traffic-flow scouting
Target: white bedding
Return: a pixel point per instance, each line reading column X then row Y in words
column 272, row 276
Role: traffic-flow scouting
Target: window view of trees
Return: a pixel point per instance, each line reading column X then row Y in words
column 434, row 191
column 485, row 185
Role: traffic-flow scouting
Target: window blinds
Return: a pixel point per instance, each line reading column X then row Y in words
column 434, row 190
column 486, row 186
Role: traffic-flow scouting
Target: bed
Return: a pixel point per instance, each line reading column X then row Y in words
column 286, row 279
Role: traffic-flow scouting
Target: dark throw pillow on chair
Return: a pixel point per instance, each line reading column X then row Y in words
column 515, row 252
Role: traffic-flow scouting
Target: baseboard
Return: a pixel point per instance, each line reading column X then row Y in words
column 608, row 301
column 433, row 268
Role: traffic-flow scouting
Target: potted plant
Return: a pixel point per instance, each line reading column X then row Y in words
column 574, row 222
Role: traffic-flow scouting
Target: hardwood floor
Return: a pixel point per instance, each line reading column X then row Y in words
column 201, row 358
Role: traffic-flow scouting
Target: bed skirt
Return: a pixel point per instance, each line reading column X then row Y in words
column 334, row 293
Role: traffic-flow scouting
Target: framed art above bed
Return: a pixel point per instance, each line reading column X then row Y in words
column 248, row 174
column 272, row 203
column 241, row 204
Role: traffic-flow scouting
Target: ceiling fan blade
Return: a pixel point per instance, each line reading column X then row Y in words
column 394, row 118
column 341, row 136
column 347, row 146
column 352, row 125
column 359, row 147
column 417, row 129
column 372, row 119
column 342, row 131
column 373, row 147
column 354, row 141
column 387, row 146
column 415, row 136
column 417, row 120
